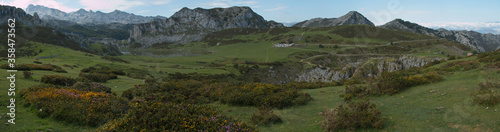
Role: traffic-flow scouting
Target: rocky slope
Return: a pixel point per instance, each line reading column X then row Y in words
column 350, row 18
column 477, row 41
column 7, row 12
column 188, row 25
column 367, row 68
column 89, row 17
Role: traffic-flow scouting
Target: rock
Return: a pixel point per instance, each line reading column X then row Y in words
column 432, row 91
column 402, row 96
column 440, row 108
column 443, row 94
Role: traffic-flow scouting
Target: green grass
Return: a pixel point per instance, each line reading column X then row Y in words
column 414, row 109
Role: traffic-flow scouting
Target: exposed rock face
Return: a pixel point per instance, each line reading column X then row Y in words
column 477, row 41
column 350, row 18
column 7, row 12
column 89, row 17
column 368, row 68
column 188, row 25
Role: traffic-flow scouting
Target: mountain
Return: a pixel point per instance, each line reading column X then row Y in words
column 89, row 17
column 188, row 25
column 7, row 12
column 477, row 41
column 353, row 17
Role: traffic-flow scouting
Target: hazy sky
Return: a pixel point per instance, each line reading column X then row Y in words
column 433, row 13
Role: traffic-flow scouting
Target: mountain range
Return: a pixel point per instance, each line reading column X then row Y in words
column 190, row 25
column 477, row 41
column 89, row 17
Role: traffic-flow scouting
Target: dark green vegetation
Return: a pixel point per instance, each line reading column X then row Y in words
column 224, row 90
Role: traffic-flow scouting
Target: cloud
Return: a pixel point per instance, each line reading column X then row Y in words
column 161, row 2
column 143, row 11
column 276, row 9
column 482, row 27
column 47, row 3
column 218, row 4
column 247, row 2
column 110, row 5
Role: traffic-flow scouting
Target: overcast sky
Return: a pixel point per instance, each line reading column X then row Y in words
column 458, row 14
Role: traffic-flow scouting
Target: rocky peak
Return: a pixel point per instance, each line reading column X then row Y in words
column 188, row 25
column 352, row 17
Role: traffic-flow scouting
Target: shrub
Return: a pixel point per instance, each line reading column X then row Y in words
column 97, row 77
column 28, row 74
column 102, row 70
column 310, row 85
column 91, row 87
column 156, row 116
column 74, row 106
column 352, row 91
column 256, row 94
column 393, row 82
column 114, row 59
column 488, row 93
column 265, row 116
column 493, row 56
column 58, row 80
column 360, row 114
column 59, row 70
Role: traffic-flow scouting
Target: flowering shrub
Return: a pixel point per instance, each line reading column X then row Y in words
column 158, row 116
column 74, row 106
column 257, row 94
column 174, row 91
column 360, row 114
column 58, row 80
column 488, row 93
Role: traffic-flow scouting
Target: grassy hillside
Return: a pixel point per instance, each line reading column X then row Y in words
column 449, row 107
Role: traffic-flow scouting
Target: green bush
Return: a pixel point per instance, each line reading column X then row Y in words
column 28, row 74
column 157, row 116
column 97, row 77
column 265, row 116
column 360, row 114
column 58, row 80
column 91, row 87
column 393, row 82
column 492, row 56
column 460, row 66
column 488, row 93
